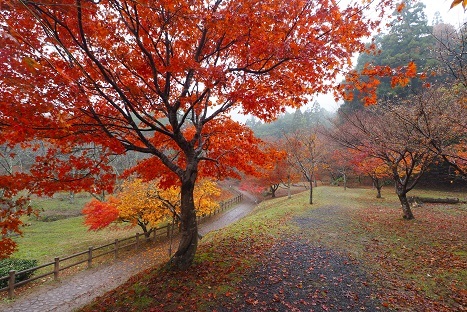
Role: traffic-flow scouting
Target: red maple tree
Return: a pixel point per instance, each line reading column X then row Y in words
column 373, row 167
column 162, row 77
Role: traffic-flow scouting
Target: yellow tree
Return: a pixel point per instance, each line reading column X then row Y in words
column 146, row 204
column 205, row 195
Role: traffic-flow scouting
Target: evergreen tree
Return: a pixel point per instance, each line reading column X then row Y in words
column 409, row 39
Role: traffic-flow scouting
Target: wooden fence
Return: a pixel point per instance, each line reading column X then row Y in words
column 87, row 256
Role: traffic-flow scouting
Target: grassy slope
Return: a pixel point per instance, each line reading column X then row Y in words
column 43, row 240
column 422, row 261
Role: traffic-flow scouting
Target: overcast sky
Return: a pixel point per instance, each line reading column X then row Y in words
column 453, row 16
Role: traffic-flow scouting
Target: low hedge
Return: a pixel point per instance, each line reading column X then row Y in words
column 7, row 265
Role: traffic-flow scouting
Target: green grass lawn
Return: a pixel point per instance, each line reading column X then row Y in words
column 43, row 239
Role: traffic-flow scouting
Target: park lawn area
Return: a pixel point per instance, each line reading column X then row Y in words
column 419, row 263
column 43, row 241
column 59, row 206
column 59, row 230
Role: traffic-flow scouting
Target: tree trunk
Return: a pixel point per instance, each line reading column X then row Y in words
column 345, row 182
column 377, row 185
column 402, row 194
column 378, row 194
column 71, row 197
column 406, row 207
column 289, row 194
column 185, row 254
column 311, row 192
column 273, row 191
column 145, row 230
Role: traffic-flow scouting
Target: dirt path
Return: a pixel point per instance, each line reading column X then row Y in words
column 80, row 289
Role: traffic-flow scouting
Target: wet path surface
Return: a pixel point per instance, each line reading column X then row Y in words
column 81, row 288
column 303, row 274
column 229, row 216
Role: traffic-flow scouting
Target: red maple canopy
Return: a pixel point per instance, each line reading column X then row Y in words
column 161, row 78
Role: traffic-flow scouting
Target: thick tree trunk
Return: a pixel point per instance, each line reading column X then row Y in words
column 185, row 254
column 402, row 194
column 401, row 191
column 144, row 227
column 406, row 207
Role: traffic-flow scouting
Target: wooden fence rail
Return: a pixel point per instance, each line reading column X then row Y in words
column 87, row 256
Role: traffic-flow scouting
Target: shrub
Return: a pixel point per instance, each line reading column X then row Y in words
column 7, row 265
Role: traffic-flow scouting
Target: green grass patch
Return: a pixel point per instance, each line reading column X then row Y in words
column 59, row 230
column 45, row 240
column 58, row 207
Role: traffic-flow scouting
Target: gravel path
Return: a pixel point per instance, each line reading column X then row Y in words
column 80, row 289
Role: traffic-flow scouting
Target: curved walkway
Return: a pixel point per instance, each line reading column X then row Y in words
column 81, row 288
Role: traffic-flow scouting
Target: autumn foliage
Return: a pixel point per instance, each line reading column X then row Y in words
column 457, row 2
column 274, row 172
column 147, row 204
column 161, row 78
column 99, row 215
column 375, row 168
column 367, row 80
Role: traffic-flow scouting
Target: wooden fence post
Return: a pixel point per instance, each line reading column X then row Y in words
column 56, row 268
column 116, row 249
column 11, row 284
column 137, row 241
column 89, row 257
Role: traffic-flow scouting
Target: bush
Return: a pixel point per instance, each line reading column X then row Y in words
column 7, row 265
